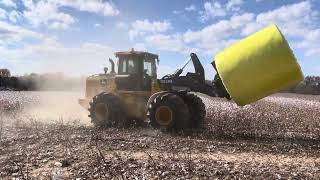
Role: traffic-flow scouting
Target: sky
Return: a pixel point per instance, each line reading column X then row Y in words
column 78, row 36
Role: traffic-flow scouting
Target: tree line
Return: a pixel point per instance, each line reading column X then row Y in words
column 310, row 85
column 57, row 81
column 35, row 82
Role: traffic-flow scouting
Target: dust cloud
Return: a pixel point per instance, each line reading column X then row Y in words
column 59, row 105
column 49, row 82
column 46, row 106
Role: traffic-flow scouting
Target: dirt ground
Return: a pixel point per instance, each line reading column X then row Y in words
column 50, row 137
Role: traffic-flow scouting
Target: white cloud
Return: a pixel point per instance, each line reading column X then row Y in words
column 217, row 34
column 311, row 43
column 59, row 25
column 46, row 13
column 14, row 16
column 213, row 38
column 294, row 19
column 122, row 25
column 49, row 13
column 140, row 27
column 8, row 3
column 216, row 9
column 190, row 8
column 10, row 34
column 156, row 26
column 165, row 42
column 52, row 56
column 140, row 47
column 97, row 25
column 234, row 5
column 213, row 9
column 3, row 13
column 94, row 6
column 208, row 40
column 168, row 42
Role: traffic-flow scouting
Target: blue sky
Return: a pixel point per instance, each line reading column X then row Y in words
column 77, row 36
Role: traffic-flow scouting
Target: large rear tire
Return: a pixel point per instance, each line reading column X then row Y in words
column 106, row 110
column 169, row 112
column 197, row 110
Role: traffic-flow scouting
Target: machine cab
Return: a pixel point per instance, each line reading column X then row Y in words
column 136, row 70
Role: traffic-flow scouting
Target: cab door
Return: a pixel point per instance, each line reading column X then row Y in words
column 149, row 74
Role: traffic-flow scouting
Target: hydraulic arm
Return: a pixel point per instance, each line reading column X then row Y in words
column 194, row 81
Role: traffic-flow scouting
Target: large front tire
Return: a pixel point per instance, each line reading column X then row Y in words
column 105, row 110
column 197, row 110
column 169, row 112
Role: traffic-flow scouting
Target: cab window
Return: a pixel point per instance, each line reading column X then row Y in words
column 132, row 66
column 149, row 68
column 124, row 66
column 128, row 66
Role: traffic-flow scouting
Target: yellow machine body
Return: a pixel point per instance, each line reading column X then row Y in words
column 258, row 66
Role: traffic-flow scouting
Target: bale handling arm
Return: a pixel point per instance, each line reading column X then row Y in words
column 177, row 106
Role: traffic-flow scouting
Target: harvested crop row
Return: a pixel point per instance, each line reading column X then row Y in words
column 274, row 116
column 282, row 115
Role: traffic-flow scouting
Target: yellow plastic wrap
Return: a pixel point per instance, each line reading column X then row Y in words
column 258, row 66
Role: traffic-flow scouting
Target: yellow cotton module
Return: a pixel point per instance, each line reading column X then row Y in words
column 258, row 66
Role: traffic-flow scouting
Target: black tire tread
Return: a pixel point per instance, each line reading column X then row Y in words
column 114, row 103
column 197, row 110
column 182, row 115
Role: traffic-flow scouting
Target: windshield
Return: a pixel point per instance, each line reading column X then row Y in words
column 128, row 66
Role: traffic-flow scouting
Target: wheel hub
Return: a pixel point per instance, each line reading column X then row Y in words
column 164, row 115
column 102, row 112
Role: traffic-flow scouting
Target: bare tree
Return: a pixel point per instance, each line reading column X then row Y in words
column 5, row 73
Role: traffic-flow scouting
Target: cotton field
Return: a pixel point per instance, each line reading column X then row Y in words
column 282, row 115
column 47, row 135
